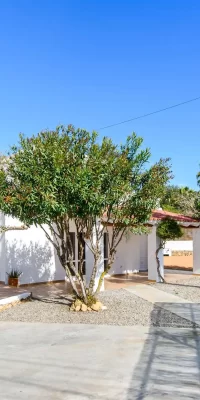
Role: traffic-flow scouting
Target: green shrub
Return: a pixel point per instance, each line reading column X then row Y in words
column 169, row 229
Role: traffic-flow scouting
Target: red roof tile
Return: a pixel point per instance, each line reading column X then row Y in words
column 158, row 215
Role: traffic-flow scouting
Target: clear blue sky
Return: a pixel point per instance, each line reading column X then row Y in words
column 96, row 62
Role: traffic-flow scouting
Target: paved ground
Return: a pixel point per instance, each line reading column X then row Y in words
column 102, row 362
column 83, row 362
column 153, row 295
column 112, row 283
column 188, row 289
column 7, row 291
column 183, row 308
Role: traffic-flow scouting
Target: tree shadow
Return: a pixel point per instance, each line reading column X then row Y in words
column 35, row 260
column 169, row 364
column 54, row 299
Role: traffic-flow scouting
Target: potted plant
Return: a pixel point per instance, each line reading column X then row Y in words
column 13, row 277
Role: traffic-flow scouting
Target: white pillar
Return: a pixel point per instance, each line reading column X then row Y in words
column 196, row 251
column 90, row 263
column 153, row 243
column 2, row 251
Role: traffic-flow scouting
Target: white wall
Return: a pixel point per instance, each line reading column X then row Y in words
column 131, row 255
column 32, row 253
column 2, row 250
column 179, row 245
column 143, row 252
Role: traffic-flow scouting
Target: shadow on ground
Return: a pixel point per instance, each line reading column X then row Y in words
column 169, row 364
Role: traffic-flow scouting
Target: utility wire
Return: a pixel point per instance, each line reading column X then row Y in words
column 151, row 113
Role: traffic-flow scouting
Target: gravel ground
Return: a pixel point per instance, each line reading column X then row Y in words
column 124, row 308
column 186, row 289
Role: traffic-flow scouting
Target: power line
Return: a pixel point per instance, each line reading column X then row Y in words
column 151, row 113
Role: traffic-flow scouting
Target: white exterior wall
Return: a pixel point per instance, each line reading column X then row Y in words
column 30, row 252
column 179, row 245
column 196, row 253
column 131, row 255
column 2, row 251
column 143, row 252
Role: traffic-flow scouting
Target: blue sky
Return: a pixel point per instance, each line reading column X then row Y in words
column 94, row 63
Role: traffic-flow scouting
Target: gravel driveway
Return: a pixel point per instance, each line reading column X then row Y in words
column 123, row 308
column 186, row 289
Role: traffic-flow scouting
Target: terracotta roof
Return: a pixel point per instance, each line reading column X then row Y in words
column 158, row 215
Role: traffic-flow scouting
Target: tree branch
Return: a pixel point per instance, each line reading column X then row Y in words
column 13, row 228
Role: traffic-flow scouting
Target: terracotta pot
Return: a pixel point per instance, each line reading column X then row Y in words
column 13, row 282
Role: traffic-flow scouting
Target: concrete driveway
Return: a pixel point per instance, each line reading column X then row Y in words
column 81, row 362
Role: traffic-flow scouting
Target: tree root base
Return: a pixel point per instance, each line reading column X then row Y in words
column 79, row 305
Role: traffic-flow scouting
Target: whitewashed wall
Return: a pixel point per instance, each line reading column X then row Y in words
column 131, row 255
column 143, row 252
column 180, row 245
column 30, row 252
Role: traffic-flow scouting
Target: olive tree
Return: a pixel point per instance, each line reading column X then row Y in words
column 168, row 229
column 67, row 174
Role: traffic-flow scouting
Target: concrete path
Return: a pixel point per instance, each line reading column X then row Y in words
column 177, row 305
column 88, row 362
column 154, row 295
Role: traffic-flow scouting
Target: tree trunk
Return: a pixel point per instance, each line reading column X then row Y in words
column 109, row 265
column 158, row 263
column 94, row 271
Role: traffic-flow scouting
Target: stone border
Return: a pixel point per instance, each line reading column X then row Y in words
column 13, row 299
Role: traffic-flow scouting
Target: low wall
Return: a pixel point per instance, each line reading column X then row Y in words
column 182, row 253
column 179, row 245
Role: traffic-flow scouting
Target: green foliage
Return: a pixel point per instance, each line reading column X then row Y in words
column 197, row 200
column 169, row 208
column 179, row 200
column 69, row 174
column 169, row 229
column 14, row 273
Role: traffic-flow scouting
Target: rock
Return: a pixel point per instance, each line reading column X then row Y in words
column 99, row 304
column 104, row 307
column 77, row 302
column 72, row 308
column 96, row 307
column 89, row 309
column 77, row 308
column 83, row 307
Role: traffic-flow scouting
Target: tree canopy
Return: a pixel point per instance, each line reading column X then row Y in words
column 56, row 176
column 169, row 229
column 180, row 200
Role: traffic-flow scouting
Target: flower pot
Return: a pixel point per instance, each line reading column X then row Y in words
column 13, row 282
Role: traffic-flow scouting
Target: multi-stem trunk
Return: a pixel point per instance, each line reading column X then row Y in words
column 62, row 243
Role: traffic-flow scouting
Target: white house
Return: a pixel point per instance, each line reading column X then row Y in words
column 32, row 253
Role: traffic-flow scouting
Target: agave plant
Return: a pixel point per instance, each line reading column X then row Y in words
column 14, row 273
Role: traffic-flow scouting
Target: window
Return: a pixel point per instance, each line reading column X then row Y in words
column 105, row 247
column 79, row 254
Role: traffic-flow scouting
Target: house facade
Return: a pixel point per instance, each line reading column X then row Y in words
column 33, row 254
